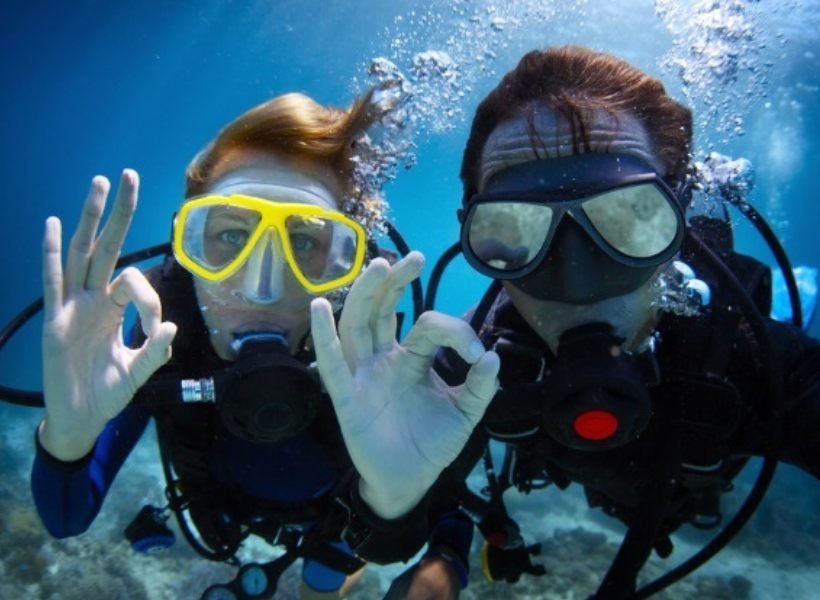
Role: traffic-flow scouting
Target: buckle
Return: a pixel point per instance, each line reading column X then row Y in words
column 356, row 532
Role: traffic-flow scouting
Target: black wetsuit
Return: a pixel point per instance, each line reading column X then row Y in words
column 699, row 438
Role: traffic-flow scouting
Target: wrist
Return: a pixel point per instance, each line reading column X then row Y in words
column 68, row 467
column 378, row 540
column 385, row 506
column 65, row 447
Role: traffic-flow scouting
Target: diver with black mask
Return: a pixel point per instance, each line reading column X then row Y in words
column 637, row 356
column 564, row 215
column 273, row 219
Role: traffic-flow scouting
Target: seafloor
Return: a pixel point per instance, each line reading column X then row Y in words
column 775, row 558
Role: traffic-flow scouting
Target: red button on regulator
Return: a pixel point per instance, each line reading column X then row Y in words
column 596, row 425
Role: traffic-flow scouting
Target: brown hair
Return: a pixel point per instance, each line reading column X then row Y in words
column 575, row 81
column 294, row 124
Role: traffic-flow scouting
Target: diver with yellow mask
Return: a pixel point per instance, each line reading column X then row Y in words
column 222, row 357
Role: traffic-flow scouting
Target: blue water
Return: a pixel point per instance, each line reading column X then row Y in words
column 92, row 87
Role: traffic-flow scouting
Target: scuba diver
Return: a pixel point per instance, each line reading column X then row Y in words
column 223, row 360
column 637, row 358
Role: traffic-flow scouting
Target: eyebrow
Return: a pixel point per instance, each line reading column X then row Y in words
column 229, row 216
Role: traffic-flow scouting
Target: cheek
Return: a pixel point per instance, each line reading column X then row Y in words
column 215, row 304
column 213, row 300
column 537, row 313
column 293, row 292
column 214, row 309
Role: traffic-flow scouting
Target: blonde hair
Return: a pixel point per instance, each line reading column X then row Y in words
column 294, row 124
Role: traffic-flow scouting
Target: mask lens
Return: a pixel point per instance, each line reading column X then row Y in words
column 215, row 235
column 508, row 235
column 323, row 249
column 637, row 221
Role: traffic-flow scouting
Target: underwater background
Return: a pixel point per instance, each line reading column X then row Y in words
column 91, row 87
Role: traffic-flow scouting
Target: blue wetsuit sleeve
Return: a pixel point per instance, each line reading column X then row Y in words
column 455, row 531
column 451, row 539
column 68, row 496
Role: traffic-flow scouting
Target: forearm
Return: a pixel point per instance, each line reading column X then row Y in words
column 802, row 440
column 68, row 494
column 65, row 445
column 801, row 418
column 64, row 493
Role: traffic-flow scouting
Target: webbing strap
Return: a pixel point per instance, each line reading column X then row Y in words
column 620, row 581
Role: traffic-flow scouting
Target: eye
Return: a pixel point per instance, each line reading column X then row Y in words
column 234, row 237
column 302, row 243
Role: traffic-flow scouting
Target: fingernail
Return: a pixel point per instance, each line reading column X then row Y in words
column 100, row 184
column 476, row 350
column 418, row 260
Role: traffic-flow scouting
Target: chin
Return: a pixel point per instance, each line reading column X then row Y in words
column 221, row 345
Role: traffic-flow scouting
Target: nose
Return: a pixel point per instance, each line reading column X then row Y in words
column 572, row 270
column 263, row 279
column 576, row 270
column 573, row 262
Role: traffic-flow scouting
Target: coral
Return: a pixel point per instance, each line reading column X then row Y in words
column 84, row 579
column 198, row 575
column 714, row 588
column 740, row 587
column 20, row 544
column 25, row 565
column 23, row 526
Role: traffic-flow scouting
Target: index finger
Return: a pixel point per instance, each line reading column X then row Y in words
column 480, row 387
column 108, row 245
column 354, row 324
column 435, row 329
column 383, row 320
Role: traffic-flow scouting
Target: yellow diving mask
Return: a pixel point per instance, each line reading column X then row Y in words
column 214, row 236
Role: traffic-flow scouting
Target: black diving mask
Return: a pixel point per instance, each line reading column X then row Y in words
column 267, row 395
column 624, row 222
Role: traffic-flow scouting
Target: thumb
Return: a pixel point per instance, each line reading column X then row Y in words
column 155, row 352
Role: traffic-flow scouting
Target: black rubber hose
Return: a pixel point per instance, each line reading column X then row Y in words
column 771, row 456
